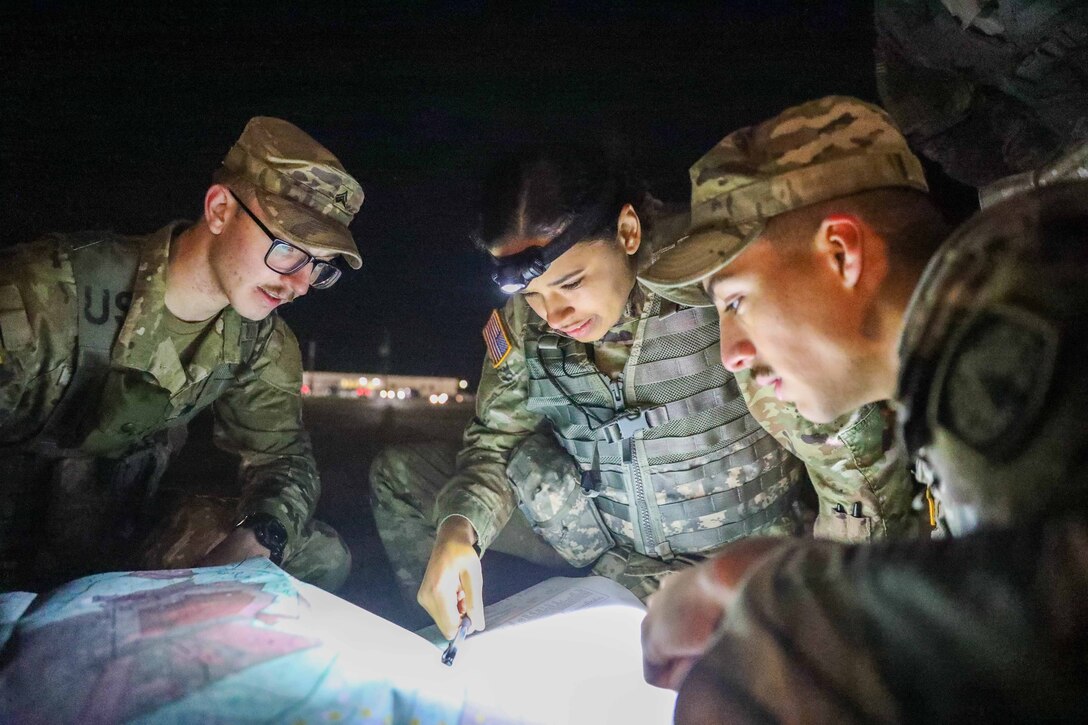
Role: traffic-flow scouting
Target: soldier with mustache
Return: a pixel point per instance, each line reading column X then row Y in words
column 110, row 344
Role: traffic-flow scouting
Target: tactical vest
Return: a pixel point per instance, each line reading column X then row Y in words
column 681, row 466
column 104, row 267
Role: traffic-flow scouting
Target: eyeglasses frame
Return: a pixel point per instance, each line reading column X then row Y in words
column 318, row 263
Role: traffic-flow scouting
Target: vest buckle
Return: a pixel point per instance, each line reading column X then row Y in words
column 629, row 422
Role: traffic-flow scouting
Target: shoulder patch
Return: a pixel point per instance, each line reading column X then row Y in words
column 496, row 338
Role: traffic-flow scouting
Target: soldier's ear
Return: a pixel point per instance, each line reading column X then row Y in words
column 218, row 206
column 629, row 229
column 841, row 244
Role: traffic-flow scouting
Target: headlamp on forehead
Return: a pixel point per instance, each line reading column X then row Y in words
column 515, row 272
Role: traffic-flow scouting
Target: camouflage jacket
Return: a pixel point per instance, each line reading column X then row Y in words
column 992, row 627
column 479, row 490
column 857, row 464
column 148, row 389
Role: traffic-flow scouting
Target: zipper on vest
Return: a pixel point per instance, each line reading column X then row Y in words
column 630, row 457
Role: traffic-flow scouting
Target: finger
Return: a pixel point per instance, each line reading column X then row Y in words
column 438, row 596
column 678, row 672
column 660, row 674
column 472, row 586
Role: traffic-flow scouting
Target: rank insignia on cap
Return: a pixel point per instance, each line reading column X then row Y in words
column 496, row 339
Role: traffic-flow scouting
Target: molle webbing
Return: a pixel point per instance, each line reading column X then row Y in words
column 677, row 418
column 733, row 504
column 745, row 453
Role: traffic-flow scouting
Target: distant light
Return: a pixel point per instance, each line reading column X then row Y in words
column 460, row 398
column 376, row 382
column 443, row 398
column 359, row 392
column 362, row 381
column 400, row 395
column 462, row 384
column 433, row 398
column 305, row 389
column 384, row 393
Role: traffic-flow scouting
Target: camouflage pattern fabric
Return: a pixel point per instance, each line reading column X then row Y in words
column 641, row 575
column 992, row 358
column 857, row 464
column 707, row 475
column 306, row 194
column 193, row 528
column 820, row 150
column 479, row 488
column 550, row 495
column 68, row 517
column 989, row 626
column 257, row 408
column 404, row 482
column 985, row 89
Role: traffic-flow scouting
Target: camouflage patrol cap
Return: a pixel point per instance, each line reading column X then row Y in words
column 820, row 150
column 306, row 194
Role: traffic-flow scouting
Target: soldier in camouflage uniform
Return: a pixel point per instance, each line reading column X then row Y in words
column 986, row 88
column 111, row 344
column 984, row 350
column 604, row 414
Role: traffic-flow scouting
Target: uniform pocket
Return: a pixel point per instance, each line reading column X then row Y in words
column 841, row 527
column 548, row 484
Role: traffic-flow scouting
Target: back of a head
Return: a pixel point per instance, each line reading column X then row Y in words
column 992, row 381
column 539, row 192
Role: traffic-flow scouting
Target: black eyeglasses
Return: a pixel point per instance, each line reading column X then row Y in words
column 285, row 258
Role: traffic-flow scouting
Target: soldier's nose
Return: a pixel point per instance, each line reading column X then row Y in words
column 560, row 316
column 737, row 354
column 300, row 281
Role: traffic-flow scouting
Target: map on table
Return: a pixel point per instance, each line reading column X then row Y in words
column 249, row 643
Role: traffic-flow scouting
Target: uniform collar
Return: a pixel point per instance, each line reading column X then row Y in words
column 144, row 343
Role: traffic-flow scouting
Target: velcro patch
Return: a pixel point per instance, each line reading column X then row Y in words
column 496, row 339
column 997, row 377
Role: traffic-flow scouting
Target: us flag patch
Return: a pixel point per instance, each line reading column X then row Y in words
column 496, row 339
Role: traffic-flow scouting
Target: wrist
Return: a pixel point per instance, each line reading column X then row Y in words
column 269, row 533
column 458, row 529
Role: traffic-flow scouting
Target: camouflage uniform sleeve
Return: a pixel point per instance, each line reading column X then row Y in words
column 936, row 630
column 479, row 490
column 37, row 335
column 857, row 465
column 260, row 419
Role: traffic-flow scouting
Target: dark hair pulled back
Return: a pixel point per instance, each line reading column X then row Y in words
column 541, row 191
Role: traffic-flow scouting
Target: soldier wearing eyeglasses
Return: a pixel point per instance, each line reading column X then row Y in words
column 110, row 344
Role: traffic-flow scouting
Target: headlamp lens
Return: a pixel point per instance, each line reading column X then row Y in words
column 514, row 273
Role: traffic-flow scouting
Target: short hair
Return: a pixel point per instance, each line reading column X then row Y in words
column 540, row 191
column 908, row 220
column 240, row 185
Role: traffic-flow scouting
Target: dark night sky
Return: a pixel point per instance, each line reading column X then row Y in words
column 115, row 119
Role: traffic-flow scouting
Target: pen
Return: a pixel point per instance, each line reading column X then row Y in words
column 451, row 649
